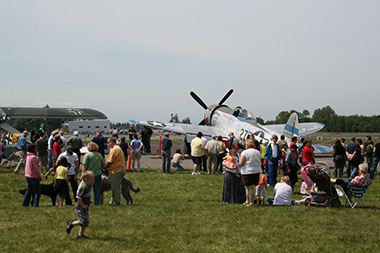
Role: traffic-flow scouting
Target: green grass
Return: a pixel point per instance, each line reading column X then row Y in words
column 182, row 213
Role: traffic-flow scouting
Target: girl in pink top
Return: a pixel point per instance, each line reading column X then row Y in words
column 33, row 177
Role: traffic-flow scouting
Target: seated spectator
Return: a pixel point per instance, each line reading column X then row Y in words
column 361, row 180
column 282, row 193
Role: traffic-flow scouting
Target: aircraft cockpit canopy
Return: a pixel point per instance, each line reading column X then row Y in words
column 244, row 113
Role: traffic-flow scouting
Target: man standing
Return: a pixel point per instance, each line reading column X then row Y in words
column 144, row 138
column 232, row 140
column 272, row 155
column 116, row 169
column 197, row 153
column 150, row 133
column 353, row 154
column 136, row 145
column 101, row 141
column 212, row 152
column 63, row 141
column 76, row 143
column 375, row 160
column 166, row 145
column 42, row 153
column 22, row 146
column 50, row 149
column 131, row 132
column 73, row 166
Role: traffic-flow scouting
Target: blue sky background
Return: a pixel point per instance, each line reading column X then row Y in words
column 140, row 59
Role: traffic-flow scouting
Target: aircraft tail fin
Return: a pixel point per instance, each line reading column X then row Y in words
column 291, row 128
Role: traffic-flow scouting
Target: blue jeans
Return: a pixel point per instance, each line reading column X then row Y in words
column 270, row 200
column 354, row 169
column 375, row 161
column 339, row 166
column 33, row 188
column 178, row 166
column 98, row 182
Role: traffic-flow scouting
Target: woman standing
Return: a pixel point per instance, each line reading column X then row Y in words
column 250, row 163
column 339, row 158
column 233, row 190
column 33, row 176
column 93, row 161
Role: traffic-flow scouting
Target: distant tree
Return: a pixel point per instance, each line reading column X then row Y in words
column 186, row 120
column 174, row 118
column 323, row 115
column 260, row 120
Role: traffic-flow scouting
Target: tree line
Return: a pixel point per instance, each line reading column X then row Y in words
column 332, row 121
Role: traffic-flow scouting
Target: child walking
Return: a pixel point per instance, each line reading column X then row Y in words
column 81, row 206
column 61, row 181
column 261, row 189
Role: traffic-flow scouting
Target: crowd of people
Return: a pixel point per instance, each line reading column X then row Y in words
column 256, row 166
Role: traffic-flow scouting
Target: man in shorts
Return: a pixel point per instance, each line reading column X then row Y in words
column 197, row 153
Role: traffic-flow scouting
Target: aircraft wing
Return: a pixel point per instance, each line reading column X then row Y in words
column 187, row 129
column 304, row 128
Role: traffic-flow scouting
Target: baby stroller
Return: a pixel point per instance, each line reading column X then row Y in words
column 326, row 194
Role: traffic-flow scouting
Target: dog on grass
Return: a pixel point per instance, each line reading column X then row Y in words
column 126, row 187
column 47, row 190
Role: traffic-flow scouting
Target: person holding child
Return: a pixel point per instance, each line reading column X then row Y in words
column 233, row 190
column 61, row 180
column 33, row 176
column 250, row 163
column 82, row 205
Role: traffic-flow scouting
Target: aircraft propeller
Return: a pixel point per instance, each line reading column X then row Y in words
column 204, row 106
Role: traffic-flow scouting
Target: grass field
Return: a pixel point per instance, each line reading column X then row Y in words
column 178, row 212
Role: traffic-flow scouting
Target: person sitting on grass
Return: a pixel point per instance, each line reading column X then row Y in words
column 361, row 180
column 282, row 193
column 61, row 181
column 81, row 206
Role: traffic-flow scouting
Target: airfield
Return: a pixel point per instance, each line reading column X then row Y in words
column 178, row 212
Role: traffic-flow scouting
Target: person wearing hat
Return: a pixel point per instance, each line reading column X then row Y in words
column 77, row 143
column 73, row 166
column 197, row 153
column 22, row 146
column 212, row 152
column 101, row 141
column 166, row 145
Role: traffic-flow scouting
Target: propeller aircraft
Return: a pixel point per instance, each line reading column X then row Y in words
column 219, row 119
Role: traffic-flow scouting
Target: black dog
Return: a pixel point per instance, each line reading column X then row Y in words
column 46, row 189
column 126, row 187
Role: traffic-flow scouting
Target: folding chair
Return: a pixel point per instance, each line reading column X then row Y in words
column 356, row 192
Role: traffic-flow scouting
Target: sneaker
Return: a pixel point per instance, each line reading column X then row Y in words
column 82, row 236
column 69, row 226
column 194, row 173
column 199, row 173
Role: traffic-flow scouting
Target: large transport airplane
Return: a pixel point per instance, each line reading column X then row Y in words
column 219, row 119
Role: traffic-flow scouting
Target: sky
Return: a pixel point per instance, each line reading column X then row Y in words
column 140, row 59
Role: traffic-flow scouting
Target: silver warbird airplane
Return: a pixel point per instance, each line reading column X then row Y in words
column 219, row 119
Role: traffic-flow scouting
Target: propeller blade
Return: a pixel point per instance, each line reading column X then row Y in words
column 199, row 100
column 226, row 97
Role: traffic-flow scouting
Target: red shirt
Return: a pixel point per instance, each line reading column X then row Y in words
column 56, row 149
column 307, row 154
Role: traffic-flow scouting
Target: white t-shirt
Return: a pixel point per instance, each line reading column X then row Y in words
column 252, row 161
column 71, row 162
column 282, row 193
